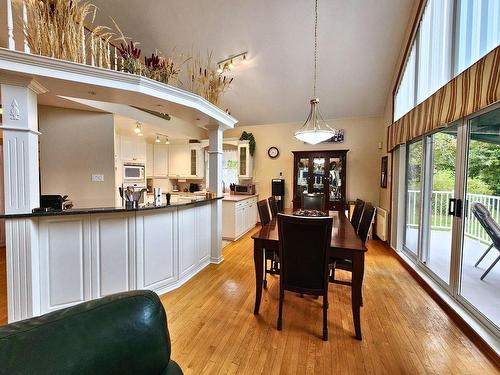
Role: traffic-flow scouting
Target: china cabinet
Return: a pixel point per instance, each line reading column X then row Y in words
column 321, row 172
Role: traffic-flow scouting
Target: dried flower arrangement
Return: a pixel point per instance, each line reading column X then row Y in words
column 55, row 28
column 206, row 81
column 163, row 69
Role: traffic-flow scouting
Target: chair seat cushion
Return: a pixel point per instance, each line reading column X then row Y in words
column 342, row 264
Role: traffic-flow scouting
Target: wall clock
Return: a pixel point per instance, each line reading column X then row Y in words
column 273, row 152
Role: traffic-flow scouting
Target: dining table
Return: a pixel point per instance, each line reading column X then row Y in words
column 344, row 244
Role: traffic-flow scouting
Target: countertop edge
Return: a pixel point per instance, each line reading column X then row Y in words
column 230, row 198
column 104, row 210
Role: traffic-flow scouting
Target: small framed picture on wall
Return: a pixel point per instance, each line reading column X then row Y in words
column 383, row 172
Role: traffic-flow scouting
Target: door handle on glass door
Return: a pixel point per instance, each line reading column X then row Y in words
column 458, row 208
column 451, row 206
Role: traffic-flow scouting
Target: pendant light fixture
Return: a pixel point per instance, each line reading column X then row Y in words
column 315, row 129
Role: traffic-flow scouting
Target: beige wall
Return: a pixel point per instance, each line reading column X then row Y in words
column 362, row 136
column 74, row 145
column 385, row 197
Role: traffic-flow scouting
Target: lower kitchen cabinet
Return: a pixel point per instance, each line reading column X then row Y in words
column 65, row 262
column 238, row 216
column 88, row 256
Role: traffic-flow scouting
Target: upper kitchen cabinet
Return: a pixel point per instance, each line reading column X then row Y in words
column 149, row 160
column 186, row 161
column 245, row 160
column 132, row 150
column 160, row 160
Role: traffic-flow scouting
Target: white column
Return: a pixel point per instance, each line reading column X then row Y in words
column 22, row 192
column 10, row 26
column 215, row 185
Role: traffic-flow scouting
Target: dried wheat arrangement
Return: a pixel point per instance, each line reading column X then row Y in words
column 204, row 79
column 55, row 28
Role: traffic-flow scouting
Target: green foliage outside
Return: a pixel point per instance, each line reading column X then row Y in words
column 483, row 172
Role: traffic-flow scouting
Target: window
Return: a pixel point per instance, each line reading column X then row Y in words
column 434, row 37
column 405, row 96
column 451, row 36
column 478, row 30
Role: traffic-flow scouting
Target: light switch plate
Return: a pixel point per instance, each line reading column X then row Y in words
column 97, row 178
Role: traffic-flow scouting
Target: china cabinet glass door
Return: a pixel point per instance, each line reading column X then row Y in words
column 302, row 178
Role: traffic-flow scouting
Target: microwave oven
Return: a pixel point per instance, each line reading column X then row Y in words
column 133, row 172
column 244, row 189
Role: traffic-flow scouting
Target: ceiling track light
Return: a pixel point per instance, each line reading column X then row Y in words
column 138, row 128
column 228, row 64
column 157, row 139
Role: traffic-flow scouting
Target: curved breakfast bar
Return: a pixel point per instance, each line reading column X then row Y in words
column 84, row 254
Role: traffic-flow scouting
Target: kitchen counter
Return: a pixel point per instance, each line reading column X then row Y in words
column 238, row 197
column 103, row 210
column 87, row 253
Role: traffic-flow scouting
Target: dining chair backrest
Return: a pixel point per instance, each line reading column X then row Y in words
column 273, row 205
column 489, row 224
column 303, row 249
column 366, row 222
column 313, row 201
column 357, row 212
column 263, row 212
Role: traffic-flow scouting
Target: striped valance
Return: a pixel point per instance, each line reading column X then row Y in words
column 474, row 89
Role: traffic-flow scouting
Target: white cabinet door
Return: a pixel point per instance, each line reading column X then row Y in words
column 65, row 257
column 179, row 161
column 188, row 254
column 197, row 161
column 132, row 149
column 245, row 161
column 156, row 251
column 149, row 160
column 203, row 221
column 127, row 148
column 113, row 253
column 140, row 151
column 160, row 161
column 240, row 220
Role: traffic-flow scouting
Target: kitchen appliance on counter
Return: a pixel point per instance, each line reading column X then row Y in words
column 245, row 189
column 54, row 203
column 194, row 187
column 132, row 194
column 157, row 195
column 134, row 172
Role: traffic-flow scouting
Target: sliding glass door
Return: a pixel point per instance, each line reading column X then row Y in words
column 439, row 202
column 414, row 161
column 452, row 211
column 480, row 261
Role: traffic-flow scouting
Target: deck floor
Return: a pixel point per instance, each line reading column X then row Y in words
column 482, row 294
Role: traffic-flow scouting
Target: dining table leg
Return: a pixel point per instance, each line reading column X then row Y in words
column 258, row 259
column 358, row 269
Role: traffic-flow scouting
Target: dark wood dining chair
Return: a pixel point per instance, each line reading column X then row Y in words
column 303, row 251
column 363, row 231
column 356, row 213
column 273, row 205
column 270, row 255
column 313, row 201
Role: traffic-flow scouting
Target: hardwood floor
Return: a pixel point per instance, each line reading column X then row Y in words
column 214, row 331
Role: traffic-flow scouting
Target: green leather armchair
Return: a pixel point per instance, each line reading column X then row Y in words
column 124, row 333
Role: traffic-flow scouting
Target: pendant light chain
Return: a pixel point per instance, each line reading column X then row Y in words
column 315, row 44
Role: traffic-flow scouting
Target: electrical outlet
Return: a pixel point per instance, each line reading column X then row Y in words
column 97, row 178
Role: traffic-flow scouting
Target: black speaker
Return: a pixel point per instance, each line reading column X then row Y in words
column 278, row 187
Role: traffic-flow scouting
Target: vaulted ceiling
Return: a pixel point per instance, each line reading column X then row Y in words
column 359, row 44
